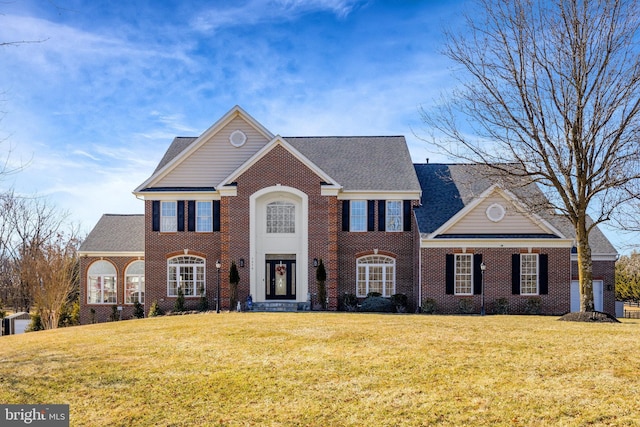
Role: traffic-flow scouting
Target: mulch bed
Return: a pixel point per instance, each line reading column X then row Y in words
column 589, row 316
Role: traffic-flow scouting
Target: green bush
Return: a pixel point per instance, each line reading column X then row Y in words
column 400, row 301
column 155, row 310
column 204, row 302
column 501, row 306
column 36, row 323
column 465, row 306
column 138, row 310
column 428, row 306
column 115, row 314
column 533, row 305
column 179, row 305
column 349, row 302
column 377, row 305
column 321, row 277
column 92, row 315
column 234, row 279
column 374, row 294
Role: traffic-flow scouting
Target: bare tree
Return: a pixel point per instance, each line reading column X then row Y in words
column 551, row 88
column 50, row 269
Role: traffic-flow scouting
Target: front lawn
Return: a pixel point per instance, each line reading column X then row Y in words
column 330, row 369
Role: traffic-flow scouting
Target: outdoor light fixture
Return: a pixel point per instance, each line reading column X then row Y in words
column 483, row 267
column 218, row 265
column 241, row 262
column 315, row 262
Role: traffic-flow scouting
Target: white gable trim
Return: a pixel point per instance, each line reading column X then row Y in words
column 215, row 128
column 278, row 140
column 510, row 197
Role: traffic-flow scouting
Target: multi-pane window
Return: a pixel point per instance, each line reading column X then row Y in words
column 134, row 283
column 281, row 217
column 101, row 283
column 394, row 215
column 204, row 216
column 168, row 219
column 358, row 212
column 186, row 273
column 376, row 273
column 464, row 274
column 528, row 274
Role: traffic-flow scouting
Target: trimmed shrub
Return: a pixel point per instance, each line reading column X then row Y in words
column 349, row 302
column 155, row 310
column 179, row 305
column 428, row 306
column 204, row 302
column 465, row 306
column 115, row 314
column 234, row 279
column 501, row 306
column 374, row 294
column 321, row 277
column 533, row 305
column 400, row 301
column 377, row 305
column 138, row 310
column 92, row 315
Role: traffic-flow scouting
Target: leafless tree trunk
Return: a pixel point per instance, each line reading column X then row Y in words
column 552, row 88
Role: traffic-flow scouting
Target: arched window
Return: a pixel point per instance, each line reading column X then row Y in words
column 376, row 273
column 281, row 217
column 186, row 272
column 101, row 283
column 134, row 283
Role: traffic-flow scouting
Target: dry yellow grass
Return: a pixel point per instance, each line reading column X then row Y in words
column 331, row 369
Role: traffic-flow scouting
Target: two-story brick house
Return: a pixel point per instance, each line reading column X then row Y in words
column 276, row 206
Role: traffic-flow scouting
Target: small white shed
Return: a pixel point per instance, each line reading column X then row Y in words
column 16, row 323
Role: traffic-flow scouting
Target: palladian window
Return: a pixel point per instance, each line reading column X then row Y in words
column 376, row 273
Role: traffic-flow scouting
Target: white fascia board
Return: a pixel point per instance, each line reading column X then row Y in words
column 379, row 195
column 206, row 135
column 178, row 195
column 98, row 254
column 330, row 190
column 426, row 242
column 598, row 257
column 277, row 140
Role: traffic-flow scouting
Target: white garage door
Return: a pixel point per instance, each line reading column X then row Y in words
column 21, row 325
column 598, row 293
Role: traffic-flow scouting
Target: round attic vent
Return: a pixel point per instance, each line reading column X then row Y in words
column 237, row 138
column 495, row 212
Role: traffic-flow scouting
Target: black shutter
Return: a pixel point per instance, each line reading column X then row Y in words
column 371, row 215
column 180, row 215
column 515, row 274
column 191, row 215
column 450, row 274
column 406, row 220
column 543, row 269
column 477, row 274
column 155, row 215
column 345, row 215
column 216, row 215
column 382, row 210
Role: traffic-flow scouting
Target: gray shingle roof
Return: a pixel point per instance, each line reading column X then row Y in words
column 448, row 188
column 362, row 163
column 116, row 233
column 177, row 146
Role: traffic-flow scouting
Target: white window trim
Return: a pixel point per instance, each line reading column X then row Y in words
column 195, row 266
column 102, row 276
column 537, row 274
column 141, row 289
column 360, row 263
column 168, row 223
column 352, row 216
column 399, row 224
column 209, row 223
column 456, row 274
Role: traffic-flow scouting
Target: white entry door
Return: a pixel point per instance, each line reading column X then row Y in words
column 598, row 295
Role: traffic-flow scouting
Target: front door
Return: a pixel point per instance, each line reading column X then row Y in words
column 280, row 278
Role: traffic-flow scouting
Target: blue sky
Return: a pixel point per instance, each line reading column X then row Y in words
column 94, row 105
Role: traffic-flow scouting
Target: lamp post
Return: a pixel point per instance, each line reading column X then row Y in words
column 483, row 267
column 218, row 265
